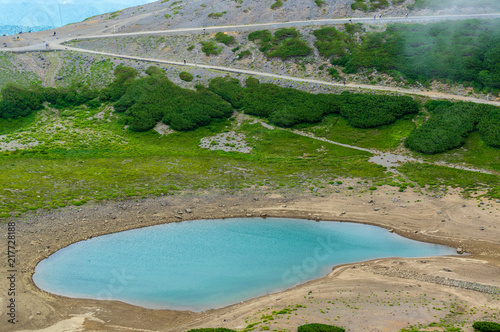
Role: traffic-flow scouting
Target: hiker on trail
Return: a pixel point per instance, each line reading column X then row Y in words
column 47, row 45
column 374, row 17
column 380, row 16
column 184, row 61
column 406, row 15
column 350, row 21
column 344, row 82
column 54, row 33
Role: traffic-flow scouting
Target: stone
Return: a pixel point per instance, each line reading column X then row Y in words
column 376, row 209
column 439, row 212
column 189, row 211
column 460, row 250
column 394, row 200
column 370, row 201
column 391, row 231
column 446, row 269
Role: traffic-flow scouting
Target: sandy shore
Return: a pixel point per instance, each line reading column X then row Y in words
column 380, row 295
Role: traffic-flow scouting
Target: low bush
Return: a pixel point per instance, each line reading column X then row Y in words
column 243, row 54
column 217, row 329
column 216, row 15
column 185, row 76
column 210, row 48
column 489, row 128
column 222, row 38
column 277, row 4
column 315, row 327
column 449, row 126
column 368, row 111
column 486, row 326
column 287, row 107
column 155, row 98
column 285, row 44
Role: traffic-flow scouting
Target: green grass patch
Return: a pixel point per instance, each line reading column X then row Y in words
column 432, row 175
column 387, row 137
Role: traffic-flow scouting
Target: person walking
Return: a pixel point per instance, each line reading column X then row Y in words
column 184, row 61
column 380, row 16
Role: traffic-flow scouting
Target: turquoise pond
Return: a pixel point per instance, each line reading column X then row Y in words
column 204, row 264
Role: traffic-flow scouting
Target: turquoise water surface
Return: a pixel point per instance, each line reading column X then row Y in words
column 206, row 264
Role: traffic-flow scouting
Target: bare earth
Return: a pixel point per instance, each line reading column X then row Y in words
column 381, row 295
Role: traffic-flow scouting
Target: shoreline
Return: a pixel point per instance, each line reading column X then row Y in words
column 64, row 227
column 327, row 269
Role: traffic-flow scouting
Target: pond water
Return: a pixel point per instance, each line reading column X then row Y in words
column 205, row 264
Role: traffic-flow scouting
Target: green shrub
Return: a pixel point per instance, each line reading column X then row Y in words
column 333, row 72
column 218, row 329
column 489, row 128
column 331, row 42
column 359, row 5
column 319, row 3
column 185, row 76
column 243, row 54
column 315, row 327
column 368, row 111
column 449, row 126
column 155, row 98
column 461, row 51
column 221, row 37
column 209, row 47
column 287, row 107
column 19, row 102
column 277, row 4
column 216, row 15
column 286, row 43
column 190, row 48
column 486, row 326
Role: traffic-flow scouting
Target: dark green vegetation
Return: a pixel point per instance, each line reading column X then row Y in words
column 155, row 98
column 217, row 329
column 216, row 15
column 287, row 107
column 371, row 5
column 304, row 328
column 221, row 37
column 277, row 4
column 210, row 48
column 286, row 43
column 315, row 327
column 451, row 123
column 440, row 4
column 486, row 326
column 334, row 44
column 466, row 52
column 185, row 76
